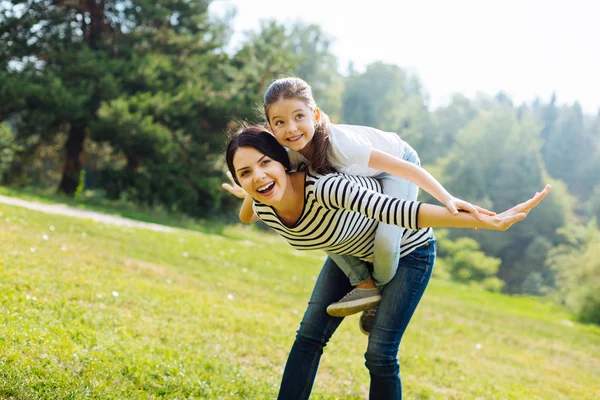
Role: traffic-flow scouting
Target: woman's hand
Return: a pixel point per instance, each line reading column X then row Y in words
column 505, row 220
column 454, row 204
column 234, row 188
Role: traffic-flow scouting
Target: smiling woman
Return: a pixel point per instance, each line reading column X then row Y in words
column 340, row 213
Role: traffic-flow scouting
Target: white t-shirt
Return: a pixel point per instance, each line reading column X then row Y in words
column 351, row 147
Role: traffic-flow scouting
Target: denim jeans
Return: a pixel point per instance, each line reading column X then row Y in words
column 387, row 237
column 399, row 301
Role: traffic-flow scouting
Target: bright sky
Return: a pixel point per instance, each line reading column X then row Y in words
column 526, row 48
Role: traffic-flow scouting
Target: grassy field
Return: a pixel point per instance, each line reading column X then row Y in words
column 89, row 310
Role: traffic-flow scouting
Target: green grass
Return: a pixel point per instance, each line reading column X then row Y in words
column 105, row 312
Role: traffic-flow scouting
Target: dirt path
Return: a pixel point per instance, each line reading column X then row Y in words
column 63, row 209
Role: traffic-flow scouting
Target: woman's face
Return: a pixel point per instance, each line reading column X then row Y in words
column 263, row 178
column 293, row 123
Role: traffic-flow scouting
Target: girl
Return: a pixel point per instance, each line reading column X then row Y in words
column 340, row 213
column 298, row 124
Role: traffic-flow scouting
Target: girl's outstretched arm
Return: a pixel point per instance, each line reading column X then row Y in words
column 403, row 169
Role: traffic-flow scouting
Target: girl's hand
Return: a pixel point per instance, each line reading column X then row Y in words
column 506, row 219
column 455, row 204
column 234, row 188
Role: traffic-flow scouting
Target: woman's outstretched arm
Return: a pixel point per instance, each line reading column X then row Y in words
column 436, row 216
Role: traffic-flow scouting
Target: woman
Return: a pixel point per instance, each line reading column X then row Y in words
column 340, row 213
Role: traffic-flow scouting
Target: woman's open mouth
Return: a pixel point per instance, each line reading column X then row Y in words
column 267, row 189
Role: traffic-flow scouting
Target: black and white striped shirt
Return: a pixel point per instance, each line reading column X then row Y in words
column 341, row 213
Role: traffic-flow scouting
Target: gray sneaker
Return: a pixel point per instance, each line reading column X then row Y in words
column 355, row 301
column 365, row 323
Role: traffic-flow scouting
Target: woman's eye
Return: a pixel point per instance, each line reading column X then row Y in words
column 278, row 123
column 266, row 162
column 244, row 173
column 299, row 116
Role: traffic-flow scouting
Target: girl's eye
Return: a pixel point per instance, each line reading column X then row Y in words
column 299, row 116
column 278, row 123
column 266, row 162
column 244, row 173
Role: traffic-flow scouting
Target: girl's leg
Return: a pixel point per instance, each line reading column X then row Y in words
column 354, row 268
column 399, row 301
column 365, row 295
column 315, row 330
column 388, row 237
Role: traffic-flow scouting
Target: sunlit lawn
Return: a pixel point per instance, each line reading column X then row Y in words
column 95, row 311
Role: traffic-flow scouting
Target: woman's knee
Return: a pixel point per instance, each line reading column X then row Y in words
column 382, row 362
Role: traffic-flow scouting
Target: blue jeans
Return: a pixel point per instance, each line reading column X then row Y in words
column 387, row 237
column 399, row 301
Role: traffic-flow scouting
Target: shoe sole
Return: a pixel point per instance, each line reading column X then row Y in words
column 352, row 307
column 362, row 330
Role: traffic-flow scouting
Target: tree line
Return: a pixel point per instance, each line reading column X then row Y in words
column 133, row 99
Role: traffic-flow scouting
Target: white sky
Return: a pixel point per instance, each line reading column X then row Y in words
column 525, row 48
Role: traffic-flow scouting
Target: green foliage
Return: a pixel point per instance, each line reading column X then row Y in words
column 496, row 163
column 577, row 265
column 7, row 147
column 463, row 261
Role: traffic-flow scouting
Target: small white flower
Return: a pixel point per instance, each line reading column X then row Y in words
column 75, row 356
column 84, row 234
column 51, row 228
column 1, row 213
column 294, row 279
column 28, row 297
column 478, row 346
column 115, row 293
column 244, row 269
column 100, row 295
column 32, row 249
column 64, row 247
column 34, row 298
column 230, row 297
column 185, row 254
column 169, row 281
column 567, row 322
column 45, row 237
column 313, row 278
column 219, row 284
column 295, row 312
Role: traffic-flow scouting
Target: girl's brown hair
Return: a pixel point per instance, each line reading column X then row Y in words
column 296, row 88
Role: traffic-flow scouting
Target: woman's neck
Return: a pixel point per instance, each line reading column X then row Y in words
column 289, row 209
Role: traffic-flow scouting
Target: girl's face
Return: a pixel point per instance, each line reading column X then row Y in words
column 293, row 123
column 263, row 178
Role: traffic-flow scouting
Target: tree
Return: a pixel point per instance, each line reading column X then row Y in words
column 497, row 163
column 386, row 97
column 87, row 50
column 577, row 265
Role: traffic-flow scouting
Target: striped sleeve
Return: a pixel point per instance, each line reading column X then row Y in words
column 336, row 191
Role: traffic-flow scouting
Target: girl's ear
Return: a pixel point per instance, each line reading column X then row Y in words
column 317, row 115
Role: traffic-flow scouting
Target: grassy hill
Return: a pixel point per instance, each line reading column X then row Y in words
column 89, row 310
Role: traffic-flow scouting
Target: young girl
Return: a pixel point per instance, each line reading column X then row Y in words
column 299, row 125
